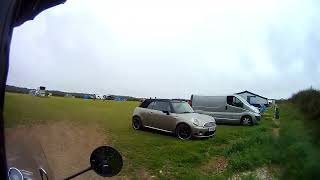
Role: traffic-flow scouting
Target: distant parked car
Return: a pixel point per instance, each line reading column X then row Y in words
column 173, row 116
column 226, row 109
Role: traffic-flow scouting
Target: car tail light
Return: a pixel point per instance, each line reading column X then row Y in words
column 190, row 102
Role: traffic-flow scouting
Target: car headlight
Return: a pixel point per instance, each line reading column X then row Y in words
column 214, row 120
column 195, row 122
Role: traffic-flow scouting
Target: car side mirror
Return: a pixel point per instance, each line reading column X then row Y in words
column 105, row 161
column 166, row 112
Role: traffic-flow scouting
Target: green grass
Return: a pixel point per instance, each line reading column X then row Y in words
column 245, row 148
column 297, row 149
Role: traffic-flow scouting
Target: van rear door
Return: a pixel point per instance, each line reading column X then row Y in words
column 210, row 105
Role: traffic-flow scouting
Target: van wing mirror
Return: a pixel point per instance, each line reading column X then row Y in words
column 166, row 112
column 239, row 104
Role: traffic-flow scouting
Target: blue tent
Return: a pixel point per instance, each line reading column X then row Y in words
column 86, row 97
column 120, row 99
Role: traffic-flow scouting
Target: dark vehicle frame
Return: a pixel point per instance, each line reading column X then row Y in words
column 13, row 13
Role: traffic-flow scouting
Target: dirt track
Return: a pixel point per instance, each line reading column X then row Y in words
column 67, row 146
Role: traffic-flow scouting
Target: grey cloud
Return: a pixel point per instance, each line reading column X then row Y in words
column 80, row 50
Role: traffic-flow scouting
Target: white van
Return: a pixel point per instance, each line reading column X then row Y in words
column 226, row 109
column 98, row 96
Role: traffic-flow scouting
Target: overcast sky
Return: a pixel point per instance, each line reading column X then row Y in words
column 170, row 48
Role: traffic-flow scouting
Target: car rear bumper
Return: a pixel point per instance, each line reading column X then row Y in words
column 203, row 132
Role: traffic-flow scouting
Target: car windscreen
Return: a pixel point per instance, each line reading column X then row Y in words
column 182, row 107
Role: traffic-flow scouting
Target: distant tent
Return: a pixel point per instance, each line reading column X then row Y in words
column 86, row 97
column 120, row 99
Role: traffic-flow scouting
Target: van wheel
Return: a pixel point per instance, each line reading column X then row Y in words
column 136, row 123
column 183, row 131
column 246, row 121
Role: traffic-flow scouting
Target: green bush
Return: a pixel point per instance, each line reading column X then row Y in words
column 308, row 101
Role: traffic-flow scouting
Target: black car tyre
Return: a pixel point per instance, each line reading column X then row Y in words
column 246, row 121
column 183, row 131
column 136, row 123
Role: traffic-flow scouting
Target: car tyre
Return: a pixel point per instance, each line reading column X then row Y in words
column 136, row 123
column 183, row 131
column 246, row 121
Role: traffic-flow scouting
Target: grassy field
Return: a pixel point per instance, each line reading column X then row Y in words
column 235, row 149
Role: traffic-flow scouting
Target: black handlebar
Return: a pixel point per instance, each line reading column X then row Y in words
column 79, row 173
